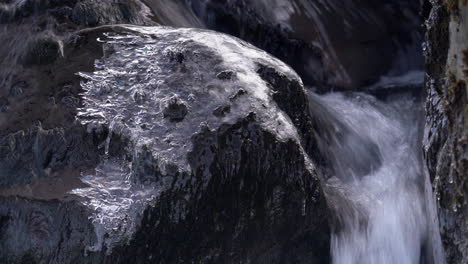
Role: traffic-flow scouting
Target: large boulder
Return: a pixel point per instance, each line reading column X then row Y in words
column 150, row 169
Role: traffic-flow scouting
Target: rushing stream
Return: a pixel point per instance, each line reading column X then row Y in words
column 381, row 213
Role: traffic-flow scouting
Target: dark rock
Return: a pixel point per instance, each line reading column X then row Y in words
column 237, row 192
column 222, row 110
column 18, row 88
column 40, row 52
column 6, row 14
column 446, row 139
column 239, row 93
column 226, row 75
column 26, row 155
column 44, row 227
column 86, row 14
column 248, row 213
column 4, row 104
column 288, row 30
column 63, row 13
column 175, row 110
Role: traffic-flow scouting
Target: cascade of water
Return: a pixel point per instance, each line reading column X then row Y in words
column 381, row 213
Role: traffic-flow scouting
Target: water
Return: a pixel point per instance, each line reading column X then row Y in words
column 116, row 202
column 381, row 213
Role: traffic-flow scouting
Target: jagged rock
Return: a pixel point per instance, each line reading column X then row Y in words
column 175, row 110
column 226, row 75
column 446, row 135
column 222, row 110
column 238, row 94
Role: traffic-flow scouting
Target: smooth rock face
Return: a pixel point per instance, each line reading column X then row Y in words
column 446, row 126
column 147, row 184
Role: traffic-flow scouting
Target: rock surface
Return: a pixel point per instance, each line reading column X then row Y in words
column 446, row 135
column 233, row 188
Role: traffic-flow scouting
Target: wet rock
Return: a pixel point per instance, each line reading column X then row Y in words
column 4, row 104
column 63, row 13
column 85, row 14
column 239, row 191
column 176, row 56
column 222, row 110
column 27, row 155
column 230, row 178
column 46, row 226
column 175, row 110
column 348, row 33
column 277, row 226
column 6, row 14
column 18, row 88
column 226, row 75
column 238, row 94
column 70, row 102
column 40, row 52
column 446, row 138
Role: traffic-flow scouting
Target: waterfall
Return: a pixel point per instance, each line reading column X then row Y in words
column 381, row 211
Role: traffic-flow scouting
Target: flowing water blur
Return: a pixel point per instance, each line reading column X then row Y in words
column 381, row 214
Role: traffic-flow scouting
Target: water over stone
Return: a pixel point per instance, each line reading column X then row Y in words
column 149, row 175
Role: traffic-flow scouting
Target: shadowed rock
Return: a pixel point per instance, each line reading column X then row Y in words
column 175, row 110
column 233, row 189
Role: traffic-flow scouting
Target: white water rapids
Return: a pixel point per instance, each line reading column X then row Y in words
column 381, row 216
